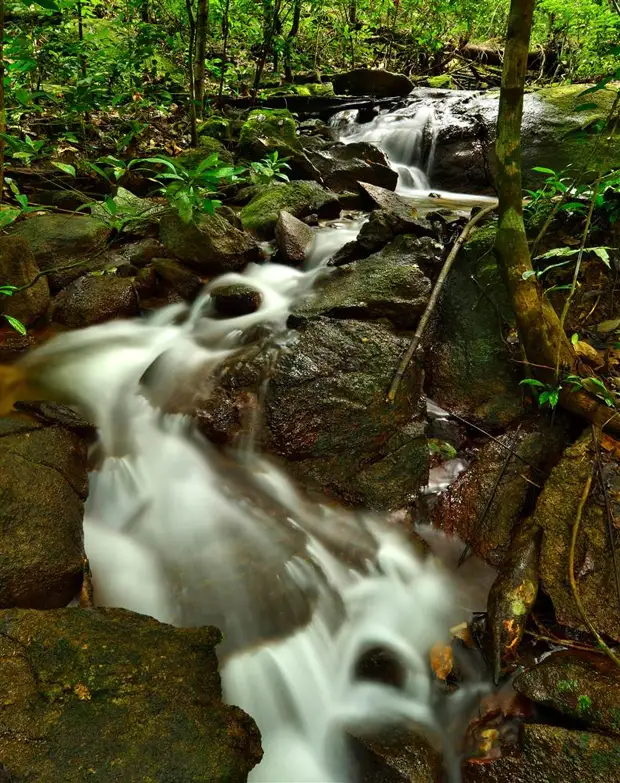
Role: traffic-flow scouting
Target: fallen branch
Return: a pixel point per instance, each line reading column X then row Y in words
column 432, row 302
column 571, row 572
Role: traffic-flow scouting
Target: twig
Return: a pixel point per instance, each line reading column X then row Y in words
column 432, row 302
column 491, row 498
column 571, row 572
column 608, row 512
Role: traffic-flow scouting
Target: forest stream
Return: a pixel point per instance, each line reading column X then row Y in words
column 204, row 479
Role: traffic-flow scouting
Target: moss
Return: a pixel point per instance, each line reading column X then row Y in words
column 266, row 128
column 566, row 97
column 206, row 147
column 300, row 198
column 444, row 81
column 216, row 127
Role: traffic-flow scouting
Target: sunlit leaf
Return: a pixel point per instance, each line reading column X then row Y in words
column 16, row 324
column 66, row 167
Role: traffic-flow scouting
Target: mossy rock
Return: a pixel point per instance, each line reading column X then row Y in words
column 442, row 82
column 555, row 513
column 206, row 146
column 300, row 198
column 266, row 129
column 115, row 696
column 469, row 368
column 215, row 127
column 19, row 268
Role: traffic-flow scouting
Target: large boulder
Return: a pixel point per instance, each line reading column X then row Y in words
column 210, row 243
column 582, row 686
column 263, row 129
column 43, row 484
column 388, row 284
column 594, row 567
column 18, row 267
column 299, row 198
column 371, row 81
column 95, row 299
column 343, row 166
column 484, row 504
column 62, row 241
column 468, row 362
column 177, row 278
column 293, row 238
column 325, row 411
column 553, row 134
column 106, row 694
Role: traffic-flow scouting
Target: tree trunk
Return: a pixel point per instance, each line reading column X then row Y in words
column 144, row 12
column 2, row 109
column 190, row 54
column 538, row 324
column 202, row 24
column 352, row 12
column 290, row 41
column 271, row 17
column 225, row 30
column 540, row 328
column 80, row 22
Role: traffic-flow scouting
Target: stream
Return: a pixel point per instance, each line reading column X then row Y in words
column 303, row 591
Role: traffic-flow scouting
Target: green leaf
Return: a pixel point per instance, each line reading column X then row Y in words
column 601, row 252
column 599, row 86
column 161, row 161
column 554, row 397
column 527, row 274
column 16, row 324
column 574, row 338
column 8, row 290
column 66, row 167
column 542, row 170
column 8, row 216
column 544, row 397
column 184, row 206
column 208, row 163
column 22, row 200
column 532, row 382
column 50, row 5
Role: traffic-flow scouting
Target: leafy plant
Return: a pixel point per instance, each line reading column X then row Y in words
column 270, row 168
column 190, row 191
column 595, row 387
column 9, row 290
column 545, row 394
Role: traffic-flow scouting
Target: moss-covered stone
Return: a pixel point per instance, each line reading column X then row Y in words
column 114, row 696
column 441, row 82
column 583, row 686
column 42, row 486
column 555, row 513
column 207, row 146
column 300, row 198
column 469, row 368
column 219, row 128
column 61, row 240
column 19, row 268
column 264, row 128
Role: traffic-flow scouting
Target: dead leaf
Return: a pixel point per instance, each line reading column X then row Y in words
column 442, row 660
column 588, row 353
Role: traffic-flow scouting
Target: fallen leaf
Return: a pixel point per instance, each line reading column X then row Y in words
column 442, row 660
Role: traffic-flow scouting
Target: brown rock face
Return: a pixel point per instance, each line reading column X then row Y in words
column 42, row 486
column 114, row 696
column 18, row 267
column 370, row 81
column 293, row 237
column 93, row 300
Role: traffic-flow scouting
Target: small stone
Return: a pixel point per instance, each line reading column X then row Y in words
column 237, row 299
column 293, row 238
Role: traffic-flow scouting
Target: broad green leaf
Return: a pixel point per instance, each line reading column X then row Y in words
column 544, row 397
column 8, row 216
column 532, row 382
column 600, row 86
column 161, row 161
column 542, row 170
column 7, row 290
column 574, row 338
column 66, row 167
column 602, row 253
column 50, row 5
column 208, row 163
column 184, row 206
column 554, row 397
column 22, row 200
column 16, row 324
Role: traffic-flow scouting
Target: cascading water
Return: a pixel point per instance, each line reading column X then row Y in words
column 302, row 591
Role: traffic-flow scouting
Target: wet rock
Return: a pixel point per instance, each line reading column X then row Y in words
column 582, row 686
column 292, row 237
column 550, row 754
column 179, row 279
column 210, row 243
column 382, row 227
column 216, row 127
column 61, row 240
column 141, row 252
column 13, row 345
column 43, row 484
column 325, row 410
column 95, row 299
column 343, row 166
column 388, row 284
column 61, row 415
column 114, row 695
column 231, row 215
column 555, row 513
column 402, row 757
column 298, row 198
column 468, row 363
column 461, row 509
column 137, row 213
column 18, row 267
column 370, row 81
column 236, row 299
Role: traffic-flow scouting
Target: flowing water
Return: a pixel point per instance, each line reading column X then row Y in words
column 302, row 591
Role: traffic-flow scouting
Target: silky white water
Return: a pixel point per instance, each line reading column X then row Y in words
column 302, row 591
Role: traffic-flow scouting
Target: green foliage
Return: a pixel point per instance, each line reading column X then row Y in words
column 190, row 191
column 270, row 168
column 9, row 290
column 545, row 394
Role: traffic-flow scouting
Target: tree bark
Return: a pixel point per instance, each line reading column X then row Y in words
column 540, row 329
column 190, row 54
column 2, row 108
column 202, row 25
column 539, row 326
column 225, row 31
column 290, row 41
